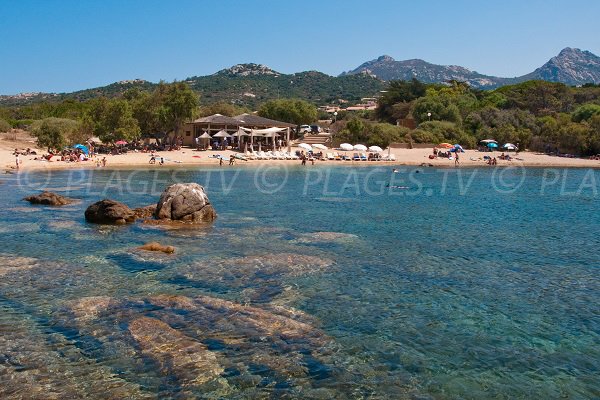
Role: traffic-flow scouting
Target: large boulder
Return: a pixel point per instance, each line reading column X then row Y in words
column 185, row 202
column 109, row 212
column 49, row 199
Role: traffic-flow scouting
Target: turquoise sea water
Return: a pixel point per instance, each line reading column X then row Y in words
column 312, row 283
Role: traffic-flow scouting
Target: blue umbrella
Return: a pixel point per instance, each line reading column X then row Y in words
column 458, row 147
column 82, row 148
column 492, row 145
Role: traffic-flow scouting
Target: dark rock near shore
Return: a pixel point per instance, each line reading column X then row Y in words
column 145, row 212
column 49, row 199
column 109, row 212
column 185, row 202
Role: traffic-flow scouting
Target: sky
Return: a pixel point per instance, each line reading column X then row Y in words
column 68, row 45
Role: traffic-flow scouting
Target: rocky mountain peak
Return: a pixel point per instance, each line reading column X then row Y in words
column 248, row 70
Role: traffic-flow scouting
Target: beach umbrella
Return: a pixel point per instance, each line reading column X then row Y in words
column 509, row 146
column 319, row 146
column 360, row 147
column 204, row 136
column 222, row 134
column 82, row 148
column 445, row 146
column 458, row 147
column 346, row 146
column 492, row 145
column 376, row 149
column 121, row 142
column 486, row 141
column 241, row 133
column 305, row 146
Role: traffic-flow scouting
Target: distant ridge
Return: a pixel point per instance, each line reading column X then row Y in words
column 251, row 84
column 571, row 66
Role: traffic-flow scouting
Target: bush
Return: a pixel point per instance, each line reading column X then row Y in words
column 4, row 126
column 56, row 132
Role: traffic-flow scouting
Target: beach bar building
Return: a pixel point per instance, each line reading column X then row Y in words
column 216, row 123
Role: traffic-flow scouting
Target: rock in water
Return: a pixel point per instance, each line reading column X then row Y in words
column 155, row 246
column 109, row 212
column 185, row 202
column 145, row 212
column 49, row 199
column 188, row 359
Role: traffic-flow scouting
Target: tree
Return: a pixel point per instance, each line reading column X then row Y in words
column 56, row 132
column 111, row 120
column 383, row 134
column 439, row 107
column 177, row 103
column 396, row 100
column 293, row 111
column 585, row 112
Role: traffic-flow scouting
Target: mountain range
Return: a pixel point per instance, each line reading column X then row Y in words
column 571, row 67
column 252, row 84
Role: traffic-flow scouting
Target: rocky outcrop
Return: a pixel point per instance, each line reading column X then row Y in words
column 49, row 199
column 185, row 202
column 145, row 212
column 176, row 353
column 109, row 212
column 155, row 246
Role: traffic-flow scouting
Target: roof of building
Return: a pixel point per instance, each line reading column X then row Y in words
column 218, row 119
column 251, row 120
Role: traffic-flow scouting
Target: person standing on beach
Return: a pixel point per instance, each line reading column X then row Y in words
column 17, row 160
column 456, row 162
column 104, row 161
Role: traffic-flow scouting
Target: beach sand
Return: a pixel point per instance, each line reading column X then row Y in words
column 187, row 157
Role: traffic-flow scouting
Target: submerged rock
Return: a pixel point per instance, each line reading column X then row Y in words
column 49, row 199
column 318, row 237
column 185, row 202
column 109, row 212
column 262, row 276
column 89, row 308
column 176, row 353
column 155, row 246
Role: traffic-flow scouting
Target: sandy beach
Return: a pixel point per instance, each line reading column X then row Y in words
column 187, row 157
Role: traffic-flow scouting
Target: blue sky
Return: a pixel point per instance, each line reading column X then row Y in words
column 58, row 46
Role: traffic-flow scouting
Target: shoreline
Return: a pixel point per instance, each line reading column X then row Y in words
column 188, row 158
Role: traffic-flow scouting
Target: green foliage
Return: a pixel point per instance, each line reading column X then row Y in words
column 396, row 100
column 111, row 120
column 228, row 109
column 440, row 108
column 443, row 131
column 506, row 126
column 294, row 111
column 585, row 112
column 4, row 126
column 383, row 134
column 56, row 132
column 371, row 134
column 538, row 97
column 177, row 103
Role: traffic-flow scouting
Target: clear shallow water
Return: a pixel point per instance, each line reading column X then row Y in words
column 312, row 283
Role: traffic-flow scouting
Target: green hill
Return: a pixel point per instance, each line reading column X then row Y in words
column 247, row 85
